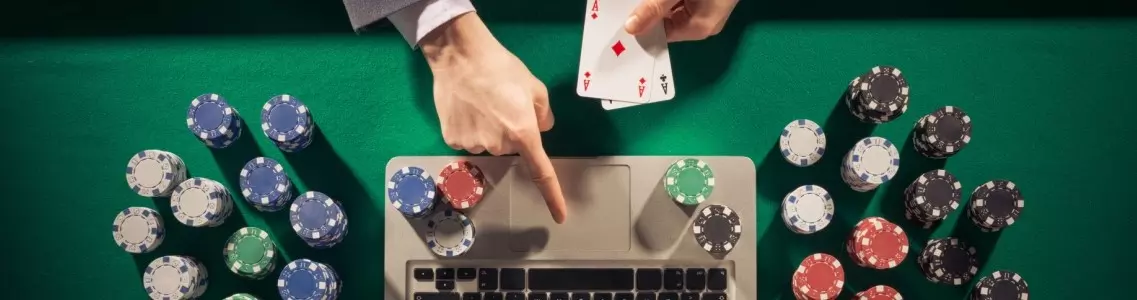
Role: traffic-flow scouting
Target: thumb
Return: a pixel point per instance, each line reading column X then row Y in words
column 647, row 14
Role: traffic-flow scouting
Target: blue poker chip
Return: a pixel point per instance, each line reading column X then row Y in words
column 265, row 184
column 303, row 279
column 412, row 191
column 285, row 118
column 209, row 117
column 337, row 232
column 317, row 219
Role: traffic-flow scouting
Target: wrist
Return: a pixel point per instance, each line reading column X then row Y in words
column 455, row 40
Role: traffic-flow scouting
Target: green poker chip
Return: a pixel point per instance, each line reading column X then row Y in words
column 242, row 296
column 689, row 181
column 250, row 252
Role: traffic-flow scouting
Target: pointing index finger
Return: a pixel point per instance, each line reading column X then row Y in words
column 544, row 176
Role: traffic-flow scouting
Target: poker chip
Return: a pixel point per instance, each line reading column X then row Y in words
column 877, row 243
column 1001, row 285
column 942, row 133
column 318, row 220
column 175, row 277
column 996, row 204
column 872, row 162
column 689, row 181
column 462, row 184
column 241, row 296
column 879, row 292
column 304, row 279
column 138, row 230
column 717, row 229
column 411, row 190
column 265, row 185
column 932, row 196
column 213, row 121
column 807, row 209
column 819, row 276
column 802, row 142
column 450, row 233
column 948, row 261
column 879, row 96
column 201, row 202
column 155, row 173
column 250, row 253
column 287, row 122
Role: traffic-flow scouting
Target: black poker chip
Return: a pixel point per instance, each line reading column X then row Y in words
column 942, row 133
column 933, row 195
column 717, row 229
column 948, row 261
column 878, row 96
column 1001, row 285
column 996, row 204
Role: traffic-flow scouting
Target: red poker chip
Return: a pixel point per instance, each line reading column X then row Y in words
column 880, row 292
column 462, row 183
column 820, row 276
column 879, row 244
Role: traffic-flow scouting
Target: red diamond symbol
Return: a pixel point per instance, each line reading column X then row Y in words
column 642, row 80
column 593, row 16
column 587, row 74
column 618, row 48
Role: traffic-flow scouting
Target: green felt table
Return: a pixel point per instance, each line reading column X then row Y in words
column 83, row 89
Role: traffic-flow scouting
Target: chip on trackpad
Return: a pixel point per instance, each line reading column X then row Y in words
column 599, row 210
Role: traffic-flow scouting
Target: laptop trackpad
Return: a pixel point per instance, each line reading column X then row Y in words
column 599, row 210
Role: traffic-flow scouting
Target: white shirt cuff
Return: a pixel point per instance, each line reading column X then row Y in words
column 417, row 20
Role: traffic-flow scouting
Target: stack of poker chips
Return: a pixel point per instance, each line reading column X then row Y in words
column 155, row 173
column 287, row 122
column 213, row 121
column 995, row 205
column 462, row 184
column 241, row 296
column 879, row 292
column 879, row 96
column 250, row 253
column 306, row 279
column 807, row 209
column 820, row 276
column 138, row 230
column 932, row 197
column 948, row 261
column 942, row 133
column 444, row 243
column 201, row 202
column 877, row 243
column 175, row 277
column 1001, row 285
column 318, row 220
column 411, row 190
column 872, row 162
column 717, row 229
column 802, row 142
column 265, row 185
column 689, row 181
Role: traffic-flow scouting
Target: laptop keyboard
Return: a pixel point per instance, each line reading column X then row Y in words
column 570, row 283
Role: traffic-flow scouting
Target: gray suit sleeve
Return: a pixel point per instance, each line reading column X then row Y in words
column 363, row 13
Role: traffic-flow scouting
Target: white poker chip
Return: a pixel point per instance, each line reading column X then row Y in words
column 808, row 209
column 138, row 229
column 802, row 142
column 200, row 202
column 443, row 235
column 154, row 173
column 874, row 160
column 174, row 277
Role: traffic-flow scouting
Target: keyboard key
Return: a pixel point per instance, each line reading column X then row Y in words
column 467, row 273
column 581, row 279
column 513, row 279
column 673, row 279
column 491, row 296
column 716, row 280
column 649, row 280
column 601, row 296
column 436, row 296
column 558, row 296
column 471, row 296
column 424, row 274
column 696, row 279
column 669, row 296
column 625, row 296
column 515, row 296
column 444, row 285
column 581, row 296
column 714, row 296
column 538, row 296
column 690, row 296
column 444, row 273
column 487, row 279
column 645, row 296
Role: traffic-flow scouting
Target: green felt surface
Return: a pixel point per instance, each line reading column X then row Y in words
column 1049, row 98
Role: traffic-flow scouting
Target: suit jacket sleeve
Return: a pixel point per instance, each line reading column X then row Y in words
column 413, row 18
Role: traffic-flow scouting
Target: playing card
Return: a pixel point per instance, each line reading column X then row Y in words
column 614, row 64
column 662, row 84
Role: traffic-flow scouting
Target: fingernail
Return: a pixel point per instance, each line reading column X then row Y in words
column 630, row 25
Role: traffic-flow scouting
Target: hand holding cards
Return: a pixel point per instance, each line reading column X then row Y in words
column 618, row 68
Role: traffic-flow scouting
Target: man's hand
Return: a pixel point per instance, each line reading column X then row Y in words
column 488, row 101
column 683, row 20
